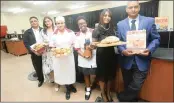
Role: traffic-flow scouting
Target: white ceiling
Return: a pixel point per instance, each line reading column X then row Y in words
column 43, row 7
column 61, row 6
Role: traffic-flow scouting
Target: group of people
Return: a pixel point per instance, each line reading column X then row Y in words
column 101, row 64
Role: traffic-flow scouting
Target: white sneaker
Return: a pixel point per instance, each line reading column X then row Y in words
column 56, row 89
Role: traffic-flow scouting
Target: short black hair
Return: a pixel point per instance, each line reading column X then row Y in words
column 80, row 17
column 33, row 17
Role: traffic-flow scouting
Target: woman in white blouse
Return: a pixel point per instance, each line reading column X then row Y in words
column 87, row 65
column 64, row 66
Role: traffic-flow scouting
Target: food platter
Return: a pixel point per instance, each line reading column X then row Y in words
column 109, row 41
column 58, row 52
column 39, row 47
column 111, row 44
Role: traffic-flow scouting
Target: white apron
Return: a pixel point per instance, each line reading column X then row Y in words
column 64, row 67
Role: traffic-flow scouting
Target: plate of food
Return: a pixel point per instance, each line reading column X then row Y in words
column 109, row 41
column 58, row 52
column 38, row 47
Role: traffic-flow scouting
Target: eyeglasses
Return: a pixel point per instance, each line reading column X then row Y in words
column 33, row 21
column 135, row 7
column 83, row 23
column 60, row 23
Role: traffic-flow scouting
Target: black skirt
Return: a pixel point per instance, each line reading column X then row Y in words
column 87, row 71
column 106, row 63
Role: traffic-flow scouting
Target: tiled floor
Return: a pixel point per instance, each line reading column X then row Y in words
column 16, row 87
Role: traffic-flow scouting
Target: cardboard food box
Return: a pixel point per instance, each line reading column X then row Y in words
column 136, row 40
column 161, row 23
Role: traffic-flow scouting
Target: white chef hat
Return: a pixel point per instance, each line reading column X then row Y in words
column 60, row 18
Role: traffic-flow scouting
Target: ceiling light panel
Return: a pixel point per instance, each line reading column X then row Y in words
column 77, row 6
column 52, row 12
column 17, row 10
column 39, row 2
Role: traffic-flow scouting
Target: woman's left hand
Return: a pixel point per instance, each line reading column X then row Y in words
column 92, row 46
column 88, row 57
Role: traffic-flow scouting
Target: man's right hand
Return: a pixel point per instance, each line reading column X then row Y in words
column 128, row 52
column 36, row 52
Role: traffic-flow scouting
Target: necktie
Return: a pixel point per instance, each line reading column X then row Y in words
column 133, row 26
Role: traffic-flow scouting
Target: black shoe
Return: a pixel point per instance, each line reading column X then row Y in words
column 73, row 89
column 87, row 96
column 35, row 75
column 99, row 99
column 67, row 96
column 111, row 100
column 121, row 97
column 118, row 97
column 40, row 83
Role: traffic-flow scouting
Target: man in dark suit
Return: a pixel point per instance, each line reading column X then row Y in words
column 135, row 65
column 32, row 36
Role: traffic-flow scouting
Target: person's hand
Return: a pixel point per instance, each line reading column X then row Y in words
column 127, row 52
column 88, row 57
column 144, row 52
column 38, row 54
column 92, row 47
column 88, row 47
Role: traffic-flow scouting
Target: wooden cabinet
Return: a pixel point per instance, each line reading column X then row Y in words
column 158, row 86
column 1, row 46
column 16, row 47
column 118, row 82
column 10, row 46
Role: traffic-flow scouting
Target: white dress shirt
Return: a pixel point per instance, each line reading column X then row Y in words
column 37, row 35
column 136, row 22
column 83, row 62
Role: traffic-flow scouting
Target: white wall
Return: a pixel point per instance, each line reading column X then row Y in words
column 17, row 22
column 166, row 9
column 21, row 21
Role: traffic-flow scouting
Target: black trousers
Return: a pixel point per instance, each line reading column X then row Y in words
column 37, row 64
column 133, row 81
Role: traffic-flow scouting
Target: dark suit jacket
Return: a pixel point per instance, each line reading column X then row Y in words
column 29, row 38
column 152, row 40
